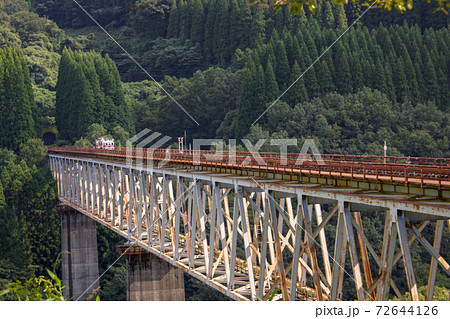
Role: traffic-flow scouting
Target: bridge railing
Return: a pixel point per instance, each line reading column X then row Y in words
column 387, row 169
column 269, row 157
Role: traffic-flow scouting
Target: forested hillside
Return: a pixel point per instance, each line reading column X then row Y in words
column 29, row 235
column 225, row 62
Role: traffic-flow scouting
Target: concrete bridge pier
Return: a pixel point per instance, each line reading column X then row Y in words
column 80, row 257
column 150, row 278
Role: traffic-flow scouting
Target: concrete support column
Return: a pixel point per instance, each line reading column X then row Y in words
column 80, row 257
column 150, row 278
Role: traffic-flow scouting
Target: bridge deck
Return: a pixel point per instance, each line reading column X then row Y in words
column 425, row 177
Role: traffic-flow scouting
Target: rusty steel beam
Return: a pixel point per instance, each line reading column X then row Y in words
column 364, row 254
column 433, row 264
column 357, row 275
column 323, row 243
column 340, row 250
column 387, row 256
column 311, row 247
column 407, row 260
column 279, row 255
column 433, row 252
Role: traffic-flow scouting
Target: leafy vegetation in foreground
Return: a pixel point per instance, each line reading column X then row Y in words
column 36, row 289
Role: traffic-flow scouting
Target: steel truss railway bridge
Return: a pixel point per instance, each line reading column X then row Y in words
column 254, row 226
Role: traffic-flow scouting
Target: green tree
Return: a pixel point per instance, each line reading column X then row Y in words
column 327, row 16
column 198, row 21
column 89, row 89
column 441, row 78
column 114, row 288
column 17, row 100
column 186, row 12
column 95, row 131
column 379, row 78
column 414, row 93
column 342, row 70
column 297, row 93
column 430, row 78
column 401, row 83
column 208, row 95
column 282, row 69
column 272, row 90
column 252, row 98
column 173, row 29
column 81, row 102
column 33, row 151
column 240, row 24
column 324, row 78
column 221, row 45
column 16, row 235
column 296, row 53
column 289, row 45
column 340, row 16
column 62, row 109
column 11, row 237
column 209, row 30
column 38, row 200
column 83, row 142
column 13, row 6
column 119, row 111
column 357, row 77
column 389, row 82
column 74, row 98
column 120, row 136
column 353, row 11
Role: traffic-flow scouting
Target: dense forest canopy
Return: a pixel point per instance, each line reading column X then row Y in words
column 225, row 62
column 89, row 90
column 17, row 101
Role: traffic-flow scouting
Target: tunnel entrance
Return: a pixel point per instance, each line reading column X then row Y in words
column 49, row 138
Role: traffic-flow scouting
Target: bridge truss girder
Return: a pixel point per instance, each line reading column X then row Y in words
column 253, row 239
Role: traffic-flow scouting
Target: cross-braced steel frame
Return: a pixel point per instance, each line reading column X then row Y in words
column 255, row 239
